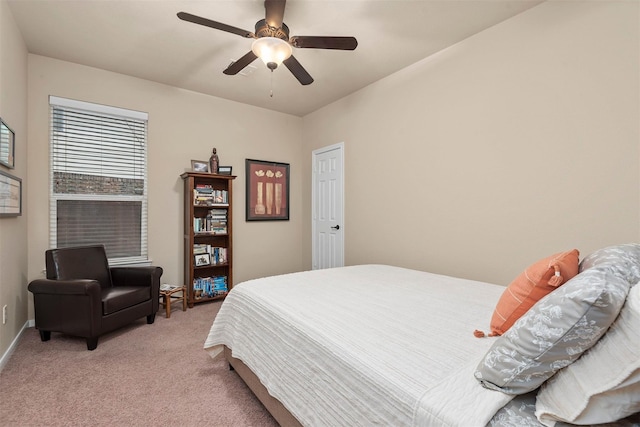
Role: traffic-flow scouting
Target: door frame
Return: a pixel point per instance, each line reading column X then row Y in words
column 314, row 154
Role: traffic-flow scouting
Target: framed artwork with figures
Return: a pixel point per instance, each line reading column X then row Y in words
column 200, row 260
column 267, row 190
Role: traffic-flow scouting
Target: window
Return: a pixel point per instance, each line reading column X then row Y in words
column 98, row 179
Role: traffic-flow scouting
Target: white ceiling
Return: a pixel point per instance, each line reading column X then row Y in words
column 144, row 38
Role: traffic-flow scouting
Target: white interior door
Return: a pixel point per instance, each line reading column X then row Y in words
column 327, row 206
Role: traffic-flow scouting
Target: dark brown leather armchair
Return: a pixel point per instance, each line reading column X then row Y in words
column 82, row 296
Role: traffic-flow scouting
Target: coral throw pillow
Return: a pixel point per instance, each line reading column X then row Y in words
column 530, row 286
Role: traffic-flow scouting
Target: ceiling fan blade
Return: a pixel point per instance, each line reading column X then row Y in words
column 213, row 24
column 320, row 42
column 274, row 12
column 298, row 70
column 238, row 65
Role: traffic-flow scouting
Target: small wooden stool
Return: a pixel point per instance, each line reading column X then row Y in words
column 169, row 297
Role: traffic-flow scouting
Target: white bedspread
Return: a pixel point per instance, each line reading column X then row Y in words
column 364, row 345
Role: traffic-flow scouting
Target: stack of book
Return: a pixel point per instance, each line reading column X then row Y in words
column 214, row 223
column 205, row 195
column 217, row 221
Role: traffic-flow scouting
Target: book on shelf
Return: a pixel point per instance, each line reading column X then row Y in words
column 205, row 195
column 199, row 249
column 219, row 214
column 218, row 254
column 209, row 287
column 204, row 188
column 215, row 222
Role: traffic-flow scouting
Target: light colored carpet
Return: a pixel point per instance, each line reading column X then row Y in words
column 140, row 375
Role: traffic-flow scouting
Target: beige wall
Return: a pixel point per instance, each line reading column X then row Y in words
column 13, row 230
column 516, row 143
column 183, row 125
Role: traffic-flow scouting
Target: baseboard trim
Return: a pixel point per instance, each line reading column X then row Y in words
column 7, row 354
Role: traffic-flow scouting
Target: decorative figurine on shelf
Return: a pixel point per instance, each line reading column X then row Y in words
column 213, row 162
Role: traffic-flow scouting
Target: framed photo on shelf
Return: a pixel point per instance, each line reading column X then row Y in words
column 7, row 145
column 200, row 166
column 10, row 195
column 267, row 192
column 201, row 260
column 224, row 170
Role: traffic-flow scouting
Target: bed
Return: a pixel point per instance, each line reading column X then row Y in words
column 370, row 345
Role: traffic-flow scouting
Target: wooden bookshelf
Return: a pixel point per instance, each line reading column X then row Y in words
column 208, row 231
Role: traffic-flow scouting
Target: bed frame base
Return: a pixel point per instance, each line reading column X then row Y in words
column 273, row 405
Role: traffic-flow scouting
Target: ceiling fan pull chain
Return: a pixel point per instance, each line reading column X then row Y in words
column 271, row 89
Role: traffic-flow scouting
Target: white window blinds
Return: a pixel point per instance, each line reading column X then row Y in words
column 99, row 178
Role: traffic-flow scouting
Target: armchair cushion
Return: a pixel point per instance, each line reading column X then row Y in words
column 117, row 298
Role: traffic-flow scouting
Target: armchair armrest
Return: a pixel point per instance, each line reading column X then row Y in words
column 136, row 276
column 65, row 287
column 139, row 276
column 70, row 306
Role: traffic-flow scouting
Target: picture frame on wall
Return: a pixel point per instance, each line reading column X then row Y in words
column 200, row 166
column 10, row 195
column 7, row 145
column 267, row 190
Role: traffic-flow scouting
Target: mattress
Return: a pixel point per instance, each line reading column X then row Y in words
column 364, row 345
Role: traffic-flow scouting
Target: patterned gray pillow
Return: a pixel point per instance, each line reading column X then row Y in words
column 625, row 257
column 555, row 331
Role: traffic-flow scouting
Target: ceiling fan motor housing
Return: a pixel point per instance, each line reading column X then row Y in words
column 264, row 30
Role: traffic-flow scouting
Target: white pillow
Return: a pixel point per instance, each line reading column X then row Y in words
column 604, row 384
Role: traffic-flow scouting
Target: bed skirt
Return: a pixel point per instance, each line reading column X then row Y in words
column 273, row 405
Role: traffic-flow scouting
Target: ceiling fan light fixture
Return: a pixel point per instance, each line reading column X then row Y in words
column 271, row 50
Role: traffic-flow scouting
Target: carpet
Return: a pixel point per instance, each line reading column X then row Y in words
column 139, row 375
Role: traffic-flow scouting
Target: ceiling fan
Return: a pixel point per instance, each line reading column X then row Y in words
column 272, row 43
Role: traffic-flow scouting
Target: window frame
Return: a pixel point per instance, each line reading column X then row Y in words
column 104, row 111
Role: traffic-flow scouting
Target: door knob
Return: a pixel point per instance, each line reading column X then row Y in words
column 337, row 227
